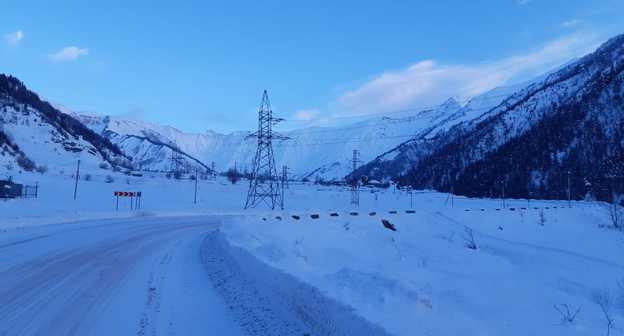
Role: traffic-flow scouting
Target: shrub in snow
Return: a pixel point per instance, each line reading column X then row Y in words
column 42, row 169
column 334, row 214
column 109, row 179
column 295, row 217
column 386, row 223
column 470, row 239
column 315, row 216
column 354, row 213
column 568, row 314
column 393, row 212
column 26, row 163
column 542, row 218
column 233, row 175
column 103, row 165
column 372, row 213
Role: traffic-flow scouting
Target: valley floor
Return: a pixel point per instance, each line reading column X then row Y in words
column 166, row 276
column 451, row 266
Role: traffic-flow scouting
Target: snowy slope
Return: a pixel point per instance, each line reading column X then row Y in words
column 570, row 120
column 152, row 147
column 37, row 136
column 423, row 279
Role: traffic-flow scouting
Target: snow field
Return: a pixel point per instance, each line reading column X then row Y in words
column 420, row 279
column 423, row 279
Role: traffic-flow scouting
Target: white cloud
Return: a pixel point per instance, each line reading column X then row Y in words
column 306, row 114
column 570, row 23
column 429, row 83
column 14, row 38
column 66, row 54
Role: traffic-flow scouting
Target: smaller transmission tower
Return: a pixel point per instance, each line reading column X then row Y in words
column 175, row 164
column 264, row 183
column 285, row 176
column 355, row 190
column 213, row 172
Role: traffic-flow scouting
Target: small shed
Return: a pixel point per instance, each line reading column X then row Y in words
column 8, row 189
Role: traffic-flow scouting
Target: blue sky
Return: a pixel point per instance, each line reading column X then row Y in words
column 201, row 65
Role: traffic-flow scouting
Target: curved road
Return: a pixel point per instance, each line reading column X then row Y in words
column 139, row 276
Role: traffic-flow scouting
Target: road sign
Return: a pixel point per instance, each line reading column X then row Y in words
column 135, row 199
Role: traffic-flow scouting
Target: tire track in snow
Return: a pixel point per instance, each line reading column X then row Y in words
column 269, row 302
column 155, row 285
column 62, row 293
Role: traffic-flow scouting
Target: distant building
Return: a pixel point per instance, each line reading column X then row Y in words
column 8, row 189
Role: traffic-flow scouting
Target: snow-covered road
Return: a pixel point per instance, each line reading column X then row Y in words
column 116, row 277
column 153, row 276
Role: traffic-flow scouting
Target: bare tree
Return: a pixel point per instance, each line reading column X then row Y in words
column 568, row 314
column 469, row 239
column 542, row 217
column 615, row 212
column 603, row 300
column 233, row 175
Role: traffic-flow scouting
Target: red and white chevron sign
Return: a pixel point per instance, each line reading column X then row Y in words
column 127, row 194
column 135, row 199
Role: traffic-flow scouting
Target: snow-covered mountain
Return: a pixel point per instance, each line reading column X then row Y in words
column 571, row 121
column 394, row 143
column 35, row 135
column 314, row 152
column 152, row 147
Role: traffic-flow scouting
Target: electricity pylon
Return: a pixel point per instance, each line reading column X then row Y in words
column 264, row 184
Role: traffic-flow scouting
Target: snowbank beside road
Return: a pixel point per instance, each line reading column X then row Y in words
column 423, row 279
column 267, row 301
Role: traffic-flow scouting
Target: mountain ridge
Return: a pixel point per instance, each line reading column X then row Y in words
column 490, row 153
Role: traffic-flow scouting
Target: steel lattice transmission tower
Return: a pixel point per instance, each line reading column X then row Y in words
column 264, row 183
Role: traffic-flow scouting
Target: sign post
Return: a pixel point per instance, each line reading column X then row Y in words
column 135, row 199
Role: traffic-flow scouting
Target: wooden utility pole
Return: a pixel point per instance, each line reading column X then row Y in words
column 77, row 177
column 355, row 192
column 569, row 192
column 195, row 198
